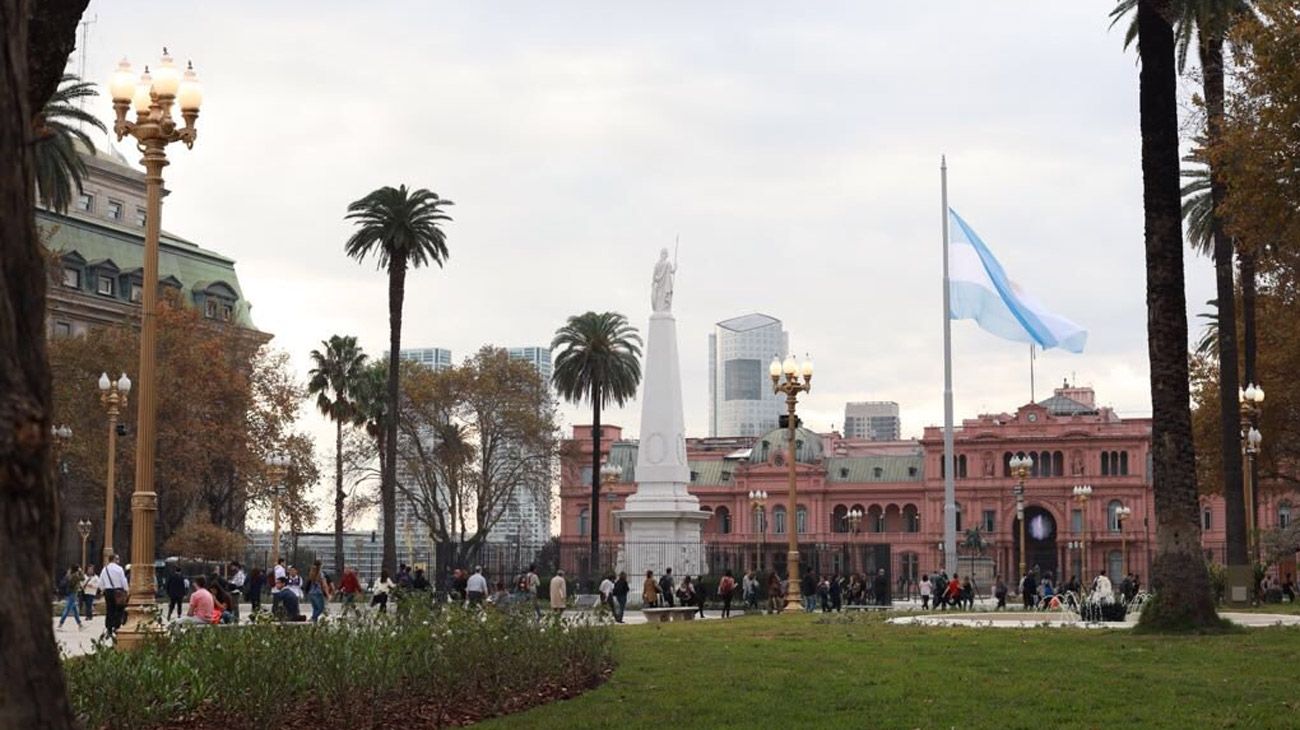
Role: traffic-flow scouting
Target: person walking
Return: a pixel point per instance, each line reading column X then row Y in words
column 350, row 588
column 926, row 590
column 476, row 587
column 175, row 589
column 607, row 592
column 383, row 589
column 532, row 586
column 808, row 591
column 112, row 581
column 256, row 584
column 319, row 591
column 559, row 593
column 775, row 593
column 881, row 588
column 749, row 586
column 837, row 593
column 1000, row 593
column 71, row 583
column 280, row 572
column 236, row 588
column 727, row 587
column 650, row 591
column 666, row 587
column 621, row 589
column 1028, row 590
column 89, row 589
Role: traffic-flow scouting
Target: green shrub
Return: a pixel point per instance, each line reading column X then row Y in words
column 342, row 673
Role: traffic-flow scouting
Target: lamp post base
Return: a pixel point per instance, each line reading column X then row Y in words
column 143, row 625
column 1239, row 580
column 793, row 600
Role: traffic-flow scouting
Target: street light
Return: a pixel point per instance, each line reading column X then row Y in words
column 1252, row 401
column 113, row 394
column 1020, row 465
column 791, row 386
column 83, row 529
column 1081, row 494
column 152, row 98
column 1122, row 513
column 758, row 504
column 277, row 467
column 854, row 520
column 60, row 436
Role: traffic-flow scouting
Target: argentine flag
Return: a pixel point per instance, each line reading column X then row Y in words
column 980, row 289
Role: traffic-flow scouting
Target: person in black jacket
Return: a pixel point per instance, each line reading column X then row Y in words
column 808, row 591
column 666, row 587
column 620, row 597
column 175, row 587
column 880, row 586
column 256, row 581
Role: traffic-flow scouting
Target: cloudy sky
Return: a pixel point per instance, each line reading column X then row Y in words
column 795, row 150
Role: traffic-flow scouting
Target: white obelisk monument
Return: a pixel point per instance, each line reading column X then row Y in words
column 662, row 520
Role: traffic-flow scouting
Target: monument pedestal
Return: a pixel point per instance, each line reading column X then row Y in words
column 662, row 521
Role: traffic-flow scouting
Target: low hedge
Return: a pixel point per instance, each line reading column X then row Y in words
column 424, row 668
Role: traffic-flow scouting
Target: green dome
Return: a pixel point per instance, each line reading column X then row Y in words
column 807, row 446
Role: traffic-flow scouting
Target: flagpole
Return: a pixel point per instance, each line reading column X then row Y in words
column 949, row 486
column 1031, row 373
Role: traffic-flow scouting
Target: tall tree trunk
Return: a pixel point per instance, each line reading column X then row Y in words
column 593, row 564
column 1183, row 599
column 338, row 500
column 1248, row 341
column 33, row 694
column 1210, row 48
column 388, row 484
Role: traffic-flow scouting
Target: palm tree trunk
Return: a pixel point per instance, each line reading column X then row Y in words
column 593, row 564
column 1179, row 577
column 388, row 484
column 338, row 500
column 1211, row 52
column 30, row 670
column 1248, row 343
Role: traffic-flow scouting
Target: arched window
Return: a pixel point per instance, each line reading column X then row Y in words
column 909, row 563
column 584, row 521
column 760, row 520
column 1112, row 515
column 778, row 520
column 1283, row 515
column 1123, row 463
column 893, row 519
column 1006, row 464
column 1058, row 464
column 801, row 519
column 875, row 519
column 1105, row 463
column 1207, row 519
column 840, row 519
column 961, row 466
column 1045, row 464
column 724, row 520
column 911, row 518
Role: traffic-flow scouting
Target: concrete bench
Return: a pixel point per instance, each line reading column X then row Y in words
column 867, row 607
column 676, row 613
column 586, row 600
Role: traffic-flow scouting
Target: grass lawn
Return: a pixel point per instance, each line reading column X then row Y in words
column 799, row 672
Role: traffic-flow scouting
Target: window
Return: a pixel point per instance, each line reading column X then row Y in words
column 1076, row 520
column 724, row 520
column 1112, row 515
column 227, row 313
column 137, row 293
column 911, row 471
column 840, row 519
column 86, row 203
column 71, row 277
column 877, row 472
column 1115, row 565
column 760, row 520
column 743, row 379
column 105, row 286
column 844, row 472
column 801, row 519
column 909, row 562
column 210, row 311
column 989, row 521
column 139, row 216
column 961, row 466
column 1105, row 463
column 1283, row 515
column 1006, row 464
column 1123, row 463
column 584, row 521
column 911, row 518
column 1058, row 464
column 778, row 520
column 62, row 329
column 1207, row 519
column 958, row 506
column 114, row 210
column 875, row 519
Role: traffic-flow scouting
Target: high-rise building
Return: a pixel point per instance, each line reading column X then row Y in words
column 874, row 420
column 741, row 401
column 413, row 536
column 539, row 357
column 434, row 357
column 527, row 514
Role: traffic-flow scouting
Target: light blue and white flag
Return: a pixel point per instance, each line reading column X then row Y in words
column 980, row 289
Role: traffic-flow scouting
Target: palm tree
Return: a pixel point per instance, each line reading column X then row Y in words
column 1183, row 597
column 402, row 229
column 1207, row 22
column 597, row 361
column 372, row 404
column 58, row 131
column 335, row 379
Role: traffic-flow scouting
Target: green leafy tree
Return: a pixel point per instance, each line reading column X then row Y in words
column 1183, row 596
column 598, row 360
column 401, row 229
column 336, row 376
column 59, row 129
column 1205, row 24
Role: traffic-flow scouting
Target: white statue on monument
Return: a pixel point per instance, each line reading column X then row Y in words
column 661, row 292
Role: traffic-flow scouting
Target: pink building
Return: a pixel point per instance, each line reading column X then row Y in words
column 898, row 486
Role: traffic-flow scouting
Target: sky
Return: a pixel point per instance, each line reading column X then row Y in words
column 793, row 148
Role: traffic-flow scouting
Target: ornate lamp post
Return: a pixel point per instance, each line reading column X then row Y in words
column 791, row 386
column 1020, row 466
column 83, row 529
column 1252, row 400
column 113, row 394
column 152, row 98
column 854, row 520
column 1076, row 546
column 1081, row 494
column 277, row 467
column 60, row 436
column 1121, row 515
column 758, row 505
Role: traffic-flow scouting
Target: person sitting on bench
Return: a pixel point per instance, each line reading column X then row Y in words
column 284, row 602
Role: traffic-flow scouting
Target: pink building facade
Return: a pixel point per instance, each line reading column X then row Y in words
column 899, row 488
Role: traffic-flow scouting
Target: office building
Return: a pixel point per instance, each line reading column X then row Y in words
column 741, row 401
column 872, row 420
